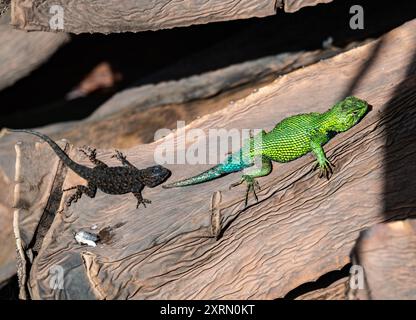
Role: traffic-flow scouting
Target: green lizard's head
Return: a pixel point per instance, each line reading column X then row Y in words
column 347, row 113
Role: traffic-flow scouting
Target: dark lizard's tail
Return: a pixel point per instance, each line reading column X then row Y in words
column 77, row 168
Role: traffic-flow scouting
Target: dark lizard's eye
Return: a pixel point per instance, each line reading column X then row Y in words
column 157, row 169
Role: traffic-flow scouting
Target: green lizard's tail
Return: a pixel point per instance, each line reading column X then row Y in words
column 233, row 163
column 77, row 168
column 208, row 175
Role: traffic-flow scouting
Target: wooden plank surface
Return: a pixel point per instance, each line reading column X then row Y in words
column 302, row 227
column 295, row 5
column 134, row 15
column 24, row 51
column 139, row 15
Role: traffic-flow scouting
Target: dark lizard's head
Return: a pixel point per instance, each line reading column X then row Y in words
column 155, row 175
column 347, row 113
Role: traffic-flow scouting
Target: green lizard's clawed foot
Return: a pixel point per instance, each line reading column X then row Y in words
column 252, row 185
column 324, row 168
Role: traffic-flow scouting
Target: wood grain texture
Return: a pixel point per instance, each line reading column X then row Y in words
column 387, row 254
column 140, row 15
column 295, row 5
column 134, row 15
column 301, row 228
column 23, row 52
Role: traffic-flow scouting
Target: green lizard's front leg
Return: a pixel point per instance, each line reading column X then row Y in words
column 322, row 162
column 254, row 172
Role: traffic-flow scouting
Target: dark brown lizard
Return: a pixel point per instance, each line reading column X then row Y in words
column 111, row 180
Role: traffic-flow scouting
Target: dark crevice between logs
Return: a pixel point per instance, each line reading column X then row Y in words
column 323, row 281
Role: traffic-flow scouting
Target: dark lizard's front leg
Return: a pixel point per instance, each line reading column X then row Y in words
column 90, row 190
column 92, row 156
column 123, row 159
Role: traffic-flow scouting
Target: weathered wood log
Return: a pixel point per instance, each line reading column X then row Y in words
column 132, row 116
column 301, row 228
column 126, row 119
column 295, row 5
column 211, row 84
column 140, row 15
column 387, row 255
column 22, row 52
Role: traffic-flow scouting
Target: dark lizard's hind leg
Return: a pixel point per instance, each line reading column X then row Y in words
column 92, row 155
column 90, row 190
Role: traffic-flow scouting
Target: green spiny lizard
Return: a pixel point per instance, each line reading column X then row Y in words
column 290, row 139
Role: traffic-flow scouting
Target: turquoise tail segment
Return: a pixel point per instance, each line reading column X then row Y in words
column 233, row 163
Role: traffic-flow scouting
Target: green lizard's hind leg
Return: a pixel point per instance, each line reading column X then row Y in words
column 250, row 176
